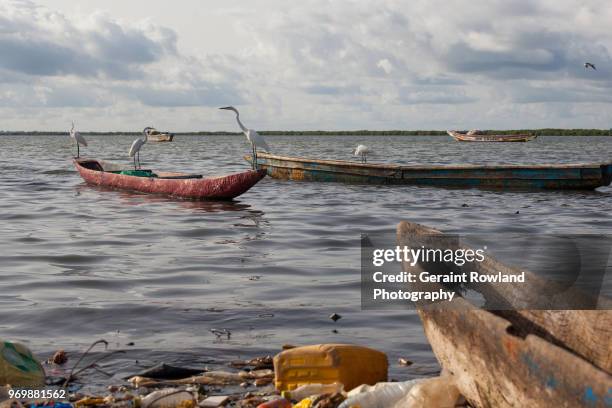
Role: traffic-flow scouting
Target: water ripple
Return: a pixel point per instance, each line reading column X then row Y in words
column 80, row 262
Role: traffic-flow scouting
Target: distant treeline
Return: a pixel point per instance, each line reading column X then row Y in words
column 539, row 132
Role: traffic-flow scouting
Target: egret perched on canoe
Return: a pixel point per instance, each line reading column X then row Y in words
column 363, row 151
column 137, row 144
column 252, row 136
column 79, row 140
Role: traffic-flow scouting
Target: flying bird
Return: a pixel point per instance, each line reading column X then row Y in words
column 137, row 144
column 588, row 65
column 256, row 140
column 79, row 140
column 362, row 151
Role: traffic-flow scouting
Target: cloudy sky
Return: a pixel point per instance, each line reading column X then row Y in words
column 314, row 64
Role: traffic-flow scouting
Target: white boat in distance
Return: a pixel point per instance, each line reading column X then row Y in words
column 153, row 135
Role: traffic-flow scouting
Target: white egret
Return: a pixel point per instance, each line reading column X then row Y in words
column 362, row 151
column 588, row 65
column 252, row 136
column 79, row 140
column 137, row 144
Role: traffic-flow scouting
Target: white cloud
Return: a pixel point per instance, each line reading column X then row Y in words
column 319, row 63
column 50, row 61
column 385, row 65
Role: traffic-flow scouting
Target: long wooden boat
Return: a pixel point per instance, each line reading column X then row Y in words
column 153, row 135
column 520, row 358
column 476, row 136
column 190, row 186
column 554, row 176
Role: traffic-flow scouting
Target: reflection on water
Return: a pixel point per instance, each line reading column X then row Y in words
column 79, row 262
column 137, row 198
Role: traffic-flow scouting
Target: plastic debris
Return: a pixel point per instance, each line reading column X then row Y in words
column 18, row 366
column 328, row 400
column 261, row 363
column 305, row 403
column 335, row 317
column 258, row 363
column 208, row 378
column 312, row 377
column 89, row 401
column 251, row 401
column 308, row 390
column 262, row 382
column 347, row 364
column 382, row 395
column 439, row 392
column 214, row 402
column 276, row 403
column 168, row 398
column 60, row 357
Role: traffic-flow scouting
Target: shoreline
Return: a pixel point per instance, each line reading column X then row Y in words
column 538, row 132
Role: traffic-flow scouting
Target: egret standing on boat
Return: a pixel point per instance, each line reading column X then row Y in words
column 137, row 144
column 362, row 151
column 76, row 136
column 252, row 136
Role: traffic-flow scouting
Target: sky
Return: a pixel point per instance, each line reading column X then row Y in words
column 310, row 65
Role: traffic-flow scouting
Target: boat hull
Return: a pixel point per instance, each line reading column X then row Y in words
column 580, row 176
column 521, row 358
column 464, row 137
column 164, row 137
column 215, row 188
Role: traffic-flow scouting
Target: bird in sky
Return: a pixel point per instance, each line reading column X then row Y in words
column 137, row 144
column 79, row 140
column 362, row 151
column 588, row 65
column 256, row 140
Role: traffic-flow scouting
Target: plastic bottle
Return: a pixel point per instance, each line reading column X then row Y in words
column 305, row 403
column 166, row 398
column 276, row 403
column 308, row 390
column 380, row 397
column 439, row 392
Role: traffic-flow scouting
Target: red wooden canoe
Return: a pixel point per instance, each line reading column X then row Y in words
column 478, row 136
column 182, row 185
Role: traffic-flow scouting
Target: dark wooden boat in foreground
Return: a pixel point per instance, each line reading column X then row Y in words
column 190, row 186
column 478, row 136
column 553, row 176
column 517, row 358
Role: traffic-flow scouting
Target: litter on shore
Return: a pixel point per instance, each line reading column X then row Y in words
column 316, row 376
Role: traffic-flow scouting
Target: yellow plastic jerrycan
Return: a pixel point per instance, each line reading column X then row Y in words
column 18, row 367
column 328, row 363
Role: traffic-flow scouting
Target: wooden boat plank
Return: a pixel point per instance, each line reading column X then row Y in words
column 293, row 160
column 586, row 332
column 495, row 368
column 502, row 173
column 519, row 358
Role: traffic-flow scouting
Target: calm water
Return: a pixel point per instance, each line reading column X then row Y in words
column 78, row 263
